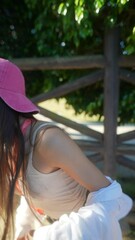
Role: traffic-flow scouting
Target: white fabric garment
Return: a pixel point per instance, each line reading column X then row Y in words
column 25, row 219
column 97, row 220
column 94, row 223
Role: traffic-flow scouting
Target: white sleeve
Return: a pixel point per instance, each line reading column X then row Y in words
column 24, row 219
column 89, row 223
column 98, row 219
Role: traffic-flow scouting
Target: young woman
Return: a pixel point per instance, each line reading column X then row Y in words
column 58, row 185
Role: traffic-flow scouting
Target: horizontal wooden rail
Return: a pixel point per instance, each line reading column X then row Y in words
column 49, row 63
column 126, row 149
column 127, row 76
column 127, row 61
column 125, row 136
column 87, row 145
column 79, row 127
column 79, row 62
column 70, row 87
column 125, row 161
column 95, row 158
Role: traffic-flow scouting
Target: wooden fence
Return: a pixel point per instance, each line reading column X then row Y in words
column 109, row 146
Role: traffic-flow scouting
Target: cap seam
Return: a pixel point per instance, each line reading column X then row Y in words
column 11, row 91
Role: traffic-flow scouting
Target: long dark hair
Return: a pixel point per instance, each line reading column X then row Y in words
column 12, row 151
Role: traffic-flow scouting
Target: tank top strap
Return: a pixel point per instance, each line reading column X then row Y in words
column 39, row 125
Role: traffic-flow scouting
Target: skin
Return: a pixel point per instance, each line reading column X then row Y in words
column 56, row 150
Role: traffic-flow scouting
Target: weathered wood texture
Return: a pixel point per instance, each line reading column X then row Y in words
column 88, row 145
column 70, row 87
column 111, row 98
column 109, row 146
column 125, row 161
column 127, row 76
column 127, row 149
column 78, row 127
column 95, row 158
column 79, row 62
column 126, row 136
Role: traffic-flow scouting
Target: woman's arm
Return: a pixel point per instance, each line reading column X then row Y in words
column 57, row 150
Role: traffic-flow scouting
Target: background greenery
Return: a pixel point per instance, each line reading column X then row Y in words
column 41, row 28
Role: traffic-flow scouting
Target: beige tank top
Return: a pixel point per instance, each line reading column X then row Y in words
column 56, row 193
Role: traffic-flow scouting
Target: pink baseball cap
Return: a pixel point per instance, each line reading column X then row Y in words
column 12, row 88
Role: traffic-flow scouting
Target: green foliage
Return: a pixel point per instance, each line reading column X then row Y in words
column 41, row 28
column 127, row 100
column 128, row 186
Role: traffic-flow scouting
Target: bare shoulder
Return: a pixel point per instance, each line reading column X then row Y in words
column 52, row 142
column 58, row 147
column 51, row 135
column 46, row 149
column 58, row 150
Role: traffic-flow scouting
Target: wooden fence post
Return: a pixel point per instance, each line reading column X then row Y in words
column 111, row 96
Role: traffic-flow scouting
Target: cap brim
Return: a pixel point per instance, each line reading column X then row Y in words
column 18, row 102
